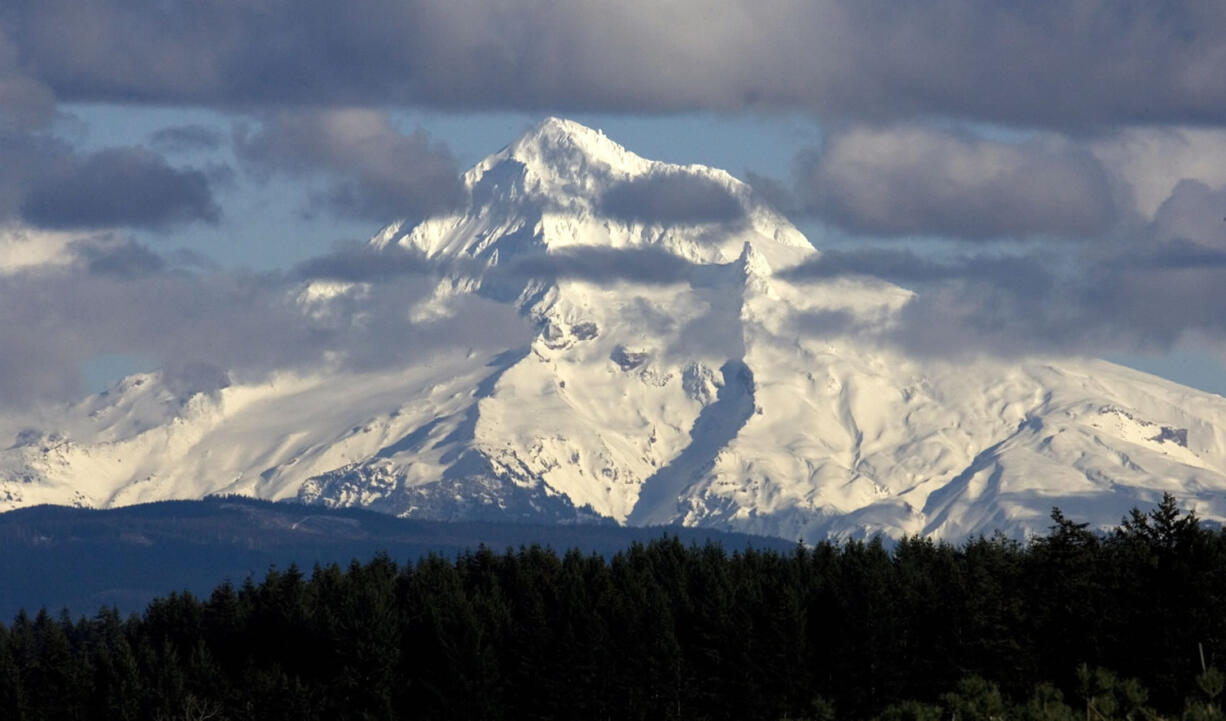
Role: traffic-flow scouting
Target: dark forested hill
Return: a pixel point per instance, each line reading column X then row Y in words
column 81, row 559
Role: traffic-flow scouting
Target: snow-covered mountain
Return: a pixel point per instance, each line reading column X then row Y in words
column 667, row 381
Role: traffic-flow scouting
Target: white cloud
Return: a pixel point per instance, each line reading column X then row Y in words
column 23, row 248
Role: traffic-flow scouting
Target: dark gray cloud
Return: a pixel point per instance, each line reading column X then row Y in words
column 25, row 103
column 359, row 263
column 1052, row 63
column 671, row 198
column 120, row 259
column 1115, row 309
column 188, row 377
column 980, row 304
column 775, row 193
column 203, row 327
column 370, row 168
column 908, row 268
column 119, row 187
column 600, row 265
column 186, row 138
column 188, row 259
column 1193, row 212
column 1174, row 254
column 46, row 183
column 913, row 180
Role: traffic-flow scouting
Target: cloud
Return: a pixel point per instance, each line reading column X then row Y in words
column 359, row 263
column 968, row 314
column 961, row 320
column 23, row 249
column 118, row 187
column 1151, row 161
column 185, row 139
column 905, row 266
column 122, row 258
column 1055, row 64
column 601, row 265
column 911, row 180
column 1193, row 212
column 25, row 103
column 1146, row 200
column 46, row 183
column 775, row 193
column 117, row 297
column 671, row 198
column 1176, row 253
column 1152, row 282
column 829, row 323
column 372, row 170
column 1142, row 296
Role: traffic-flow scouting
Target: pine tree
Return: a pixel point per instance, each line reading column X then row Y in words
column 12, row 704
column 116, row 688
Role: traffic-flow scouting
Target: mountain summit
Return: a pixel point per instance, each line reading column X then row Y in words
column 565, row 186
column 675, row 375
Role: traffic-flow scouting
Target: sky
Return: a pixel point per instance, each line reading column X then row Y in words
column 1050, row 176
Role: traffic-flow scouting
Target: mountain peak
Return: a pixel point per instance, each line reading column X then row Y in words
column 557, row 150
column 554, row 130
column 562, row 184
column 555, row 135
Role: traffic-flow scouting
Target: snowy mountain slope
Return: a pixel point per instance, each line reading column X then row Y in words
column 667, row 382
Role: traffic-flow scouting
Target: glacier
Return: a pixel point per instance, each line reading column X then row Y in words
column 668, row 380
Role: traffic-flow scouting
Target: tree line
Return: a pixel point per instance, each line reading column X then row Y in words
column 992, row 628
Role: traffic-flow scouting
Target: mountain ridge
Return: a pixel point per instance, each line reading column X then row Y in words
column 84, row 559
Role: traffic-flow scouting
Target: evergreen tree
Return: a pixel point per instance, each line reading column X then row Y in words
column 51, row 681
column 12, row 704
column 975, row 699
column 116, row 687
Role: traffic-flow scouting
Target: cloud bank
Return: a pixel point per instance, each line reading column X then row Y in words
column 114, row 295
column 671, row 199
column 46, row 183
column 1043, row 63
column 370, row 169
column 185, row 139
column 919, row 181
column 1094, row 121
column 1141, row 298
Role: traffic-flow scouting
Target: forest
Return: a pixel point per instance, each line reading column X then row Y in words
column 1129, row 624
